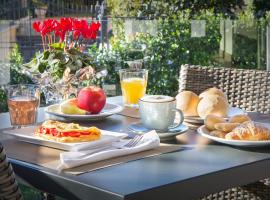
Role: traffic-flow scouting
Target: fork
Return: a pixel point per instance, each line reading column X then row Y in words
column 134, row 141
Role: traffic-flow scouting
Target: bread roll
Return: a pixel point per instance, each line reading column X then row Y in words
column 226, row 127
column 212, row 91
column 187, row 101
column 239, row 119
column 211, row 120
column 249, row 131
column 218, row 133
column 213, row 104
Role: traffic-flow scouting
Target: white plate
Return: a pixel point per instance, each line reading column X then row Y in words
column 109, row 109
column 202, row 130
column 232, row 112
column 26, row 134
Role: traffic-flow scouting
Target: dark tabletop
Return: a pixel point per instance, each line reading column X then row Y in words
column 199, row 168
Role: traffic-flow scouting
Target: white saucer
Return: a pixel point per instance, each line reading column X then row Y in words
column 169, row 135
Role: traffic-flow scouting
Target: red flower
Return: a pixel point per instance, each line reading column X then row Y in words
column 57, row 27
column 91, row 31
column 47, row 26
column 66, row 24
column 94, row 27
column 61, row 34
column 36, row 26
column 79, row 28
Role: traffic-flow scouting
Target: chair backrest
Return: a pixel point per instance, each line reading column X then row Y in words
column 8, row 186
column 247, row 89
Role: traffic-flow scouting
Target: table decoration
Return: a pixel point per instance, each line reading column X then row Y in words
column 63, row 66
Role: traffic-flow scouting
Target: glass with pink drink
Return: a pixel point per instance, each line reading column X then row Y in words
column 23, row 102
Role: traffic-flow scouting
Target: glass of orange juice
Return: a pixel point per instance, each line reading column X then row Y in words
column 133, row 85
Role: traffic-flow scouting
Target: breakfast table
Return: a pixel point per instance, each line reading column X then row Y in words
column 197, row 168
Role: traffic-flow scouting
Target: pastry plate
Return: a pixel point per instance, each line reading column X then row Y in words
column 202, row 130
column 232, row 112
column 109, row 109
column 164, row 136
column 26, row 134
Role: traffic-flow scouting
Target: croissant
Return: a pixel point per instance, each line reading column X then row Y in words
column 249, row 131
column 218, row 133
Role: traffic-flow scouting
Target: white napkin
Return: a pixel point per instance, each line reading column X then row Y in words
column 107, row 138
column 68, row 160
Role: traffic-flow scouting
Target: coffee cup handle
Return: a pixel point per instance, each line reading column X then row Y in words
column 181, row 118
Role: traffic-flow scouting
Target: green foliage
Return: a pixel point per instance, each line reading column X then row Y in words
column 16, row 62
column 161, row 8
column 243, row 57
column 114, row 59
column 30, row 193
column 40, row 3
column 249, row 31
column 33, row 193
column 174, row 46
column 165, row 52
column 3, row 101
column 267, row 17
column 261, row 7
column 57, row 60
column 16, row 76
column 16, row 57
column 123, row 7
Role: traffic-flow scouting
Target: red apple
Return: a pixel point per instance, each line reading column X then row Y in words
column 91, row 99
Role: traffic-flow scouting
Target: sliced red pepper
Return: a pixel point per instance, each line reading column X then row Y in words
column 54, row 132
column 71, row 134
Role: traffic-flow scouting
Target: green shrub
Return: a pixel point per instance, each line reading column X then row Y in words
column 165, row 52
column 174, row 46
column 114, row 59
column 16, row 62
column 30, row 193
column 249, row 46
column 3, row 101
column 159, row 8
column 243, row 57
column 16, row 77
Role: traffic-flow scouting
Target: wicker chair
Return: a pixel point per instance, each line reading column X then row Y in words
column 8, row 186
column 247, row 89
